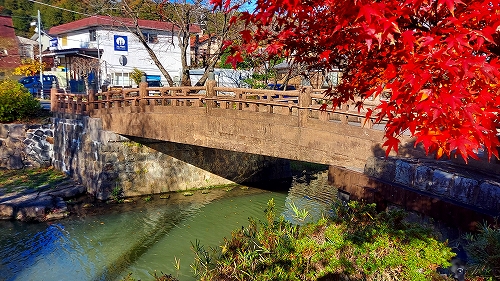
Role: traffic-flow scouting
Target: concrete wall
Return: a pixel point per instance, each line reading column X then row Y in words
column 103, row 160
column 443, row 190
column 26, row 146
column 442, row 179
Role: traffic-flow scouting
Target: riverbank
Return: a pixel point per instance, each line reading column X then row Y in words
column 36, row 194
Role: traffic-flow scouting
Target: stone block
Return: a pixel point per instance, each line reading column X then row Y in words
column 15, row 162
column 36, row 151
column 29, row 213
column 6, row 211
column 489, row 196
column 39, row 133
column 4, row 131
column 33, row 127
column 380, row 168
column 13, row 143
column 423, row 178
column 405, row 173
column 17, row 131
column 69, row 192
column 463, row 189
column 441, row 182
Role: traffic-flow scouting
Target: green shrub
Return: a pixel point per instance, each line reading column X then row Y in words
column 16, row 103
column 136, row 75
column 483, row 250
column 357, row 244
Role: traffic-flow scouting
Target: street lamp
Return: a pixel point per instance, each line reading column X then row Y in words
column 39, row 29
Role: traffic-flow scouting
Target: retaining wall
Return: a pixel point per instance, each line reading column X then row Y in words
column 26, row 146
column 443, row 190
column 443, row 179
column 105, row 162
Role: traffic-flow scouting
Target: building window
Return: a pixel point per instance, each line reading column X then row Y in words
column 93, row 35
column 120, row 80
column 150, row 37
column 26, row 51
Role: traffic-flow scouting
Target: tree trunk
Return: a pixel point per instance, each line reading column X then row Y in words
column 138, row 34
column 184, row 44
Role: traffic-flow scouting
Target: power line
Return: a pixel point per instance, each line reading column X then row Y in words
column 21, row 17
column 64, row 9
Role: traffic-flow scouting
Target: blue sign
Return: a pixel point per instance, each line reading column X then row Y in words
column 53, row 43
column 121, row 43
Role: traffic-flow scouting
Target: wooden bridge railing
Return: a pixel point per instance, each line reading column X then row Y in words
column 305, row 103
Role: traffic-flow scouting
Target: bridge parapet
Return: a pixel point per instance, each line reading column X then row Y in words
column 304, row 103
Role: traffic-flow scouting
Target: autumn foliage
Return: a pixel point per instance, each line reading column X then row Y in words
column 29, row 67
column 437, row 58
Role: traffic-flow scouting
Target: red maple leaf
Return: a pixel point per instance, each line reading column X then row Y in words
column 438, row 60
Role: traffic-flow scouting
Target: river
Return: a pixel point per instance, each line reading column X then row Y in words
column 146, row 236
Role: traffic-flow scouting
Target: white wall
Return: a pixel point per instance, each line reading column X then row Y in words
column 167, row 51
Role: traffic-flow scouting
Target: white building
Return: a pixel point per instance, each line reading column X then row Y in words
column 109, row 39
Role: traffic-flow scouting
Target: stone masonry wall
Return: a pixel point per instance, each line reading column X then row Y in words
column 26, row 146
column 443, row 179
column 104, row 161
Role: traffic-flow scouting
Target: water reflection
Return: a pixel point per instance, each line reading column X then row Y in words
column 144, row 236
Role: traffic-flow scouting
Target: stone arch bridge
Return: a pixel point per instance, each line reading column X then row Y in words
column 287, row 125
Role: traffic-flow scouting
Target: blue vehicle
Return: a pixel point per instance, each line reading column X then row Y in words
column 280, row 87
column 32, row 83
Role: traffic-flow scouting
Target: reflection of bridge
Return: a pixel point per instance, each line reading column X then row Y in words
column 280, row 124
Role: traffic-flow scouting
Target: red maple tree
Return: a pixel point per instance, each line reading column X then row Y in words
column 438, row 59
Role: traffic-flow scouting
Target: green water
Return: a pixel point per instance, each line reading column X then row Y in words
column 141, row 237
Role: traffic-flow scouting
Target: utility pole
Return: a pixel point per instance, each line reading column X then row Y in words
column 99, row 64
column 39, row 27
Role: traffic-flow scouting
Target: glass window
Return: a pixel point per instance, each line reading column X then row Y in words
column 150, row 37
column 93, row 35
column 26, row 80
column 120, row 80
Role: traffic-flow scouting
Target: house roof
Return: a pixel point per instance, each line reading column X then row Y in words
column 26, row 41
column 85, row 52
column 6, row 27
column 9, row 55
column 193, row 40
column 95, row 21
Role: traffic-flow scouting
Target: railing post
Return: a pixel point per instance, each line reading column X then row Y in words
column 53, row 99
column 143, row 92
column 91, row 97
column 210, row 94
column 304, row 104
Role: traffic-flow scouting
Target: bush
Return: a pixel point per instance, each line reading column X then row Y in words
column 357, row 243
column 16, row 103
column 136, row 75
column 483, row 250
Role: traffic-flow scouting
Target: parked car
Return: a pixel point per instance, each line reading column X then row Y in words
column 32, row 83
column 280, row 87
column 154, row 83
